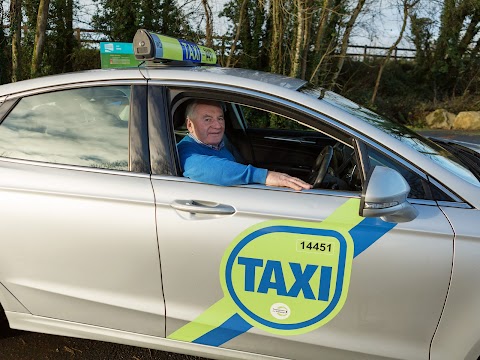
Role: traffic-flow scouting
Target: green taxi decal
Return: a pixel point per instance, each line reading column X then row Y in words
column 285, row 277
column 288, row 277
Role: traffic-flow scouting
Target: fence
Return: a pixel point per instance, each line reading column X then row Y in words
column 366, row 53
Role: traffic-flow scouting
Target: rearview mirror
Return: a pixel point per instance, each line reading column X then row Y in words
column 385, row 196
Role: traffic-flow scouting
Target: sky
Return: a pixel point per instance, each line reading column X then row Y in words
column 379, row 26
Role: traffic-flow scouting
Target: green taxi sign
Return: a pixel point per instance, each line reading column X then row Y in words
column 150, row 46
column 117, row 55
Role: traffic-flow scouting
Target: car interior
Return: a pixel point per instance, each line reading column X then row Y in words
column 283, row 145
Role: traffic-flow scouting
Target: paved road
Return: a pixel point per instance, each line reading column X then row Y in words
column 21, row 345
column 18, row 345
column 467, row 136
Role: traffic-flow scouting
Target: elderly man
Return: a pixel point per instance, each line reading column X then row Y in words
column 204, row 157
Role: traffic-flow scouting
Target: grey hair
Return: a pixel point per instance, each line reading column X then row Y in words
column 191, row 107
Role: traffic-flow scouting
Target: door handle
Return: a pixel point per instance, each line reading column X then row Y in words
column 202, row 207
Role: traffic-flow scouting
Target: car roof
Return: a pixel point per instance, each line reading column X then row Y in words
column 158, row 71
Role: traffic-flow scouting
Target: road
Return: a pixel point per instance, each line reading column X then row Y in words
column 19, row 345
column 22, row 345
column 464, row 135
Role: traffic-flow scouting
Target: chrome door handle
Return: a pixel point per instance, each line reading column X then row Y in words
column 202, row 207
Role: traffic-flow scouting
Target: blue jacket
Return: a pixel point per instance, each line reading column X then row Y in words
column 202, row 163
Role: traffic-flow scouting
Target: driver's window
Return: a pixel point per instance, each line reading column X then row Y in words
column 261, row 138
column 282, row 144
column 261, row 119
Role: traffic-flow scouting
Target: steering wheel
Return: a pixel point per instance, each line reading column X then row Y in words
column 321, row 165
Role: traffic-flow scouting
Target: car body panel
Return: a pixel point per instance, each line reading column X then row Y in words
column 457, row 334
column 66, row 80
column 125, row 260
column 369, row 321
column 85, row 266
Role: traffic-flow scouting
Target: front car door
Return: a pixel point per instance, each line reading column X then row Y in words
column 297, row 274
column 77, row 212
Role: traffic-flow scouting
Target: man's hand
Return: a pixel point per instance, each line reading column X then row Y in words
column 284, row 180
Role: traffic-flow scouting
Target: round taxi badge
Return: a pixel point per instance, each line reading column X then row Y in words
column 288, row 277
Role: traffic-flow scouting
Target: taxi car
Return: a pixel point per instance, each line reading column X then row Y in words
column 103, row 238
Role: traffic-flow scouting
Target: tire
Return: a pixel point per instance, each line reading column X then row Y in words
column 3, row 320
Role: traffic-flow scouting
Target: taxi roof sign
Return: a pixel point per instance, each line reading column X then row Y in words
column 155, row 47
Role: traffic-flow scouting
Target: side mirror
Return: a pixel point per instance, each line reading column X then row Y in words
column 385, row 196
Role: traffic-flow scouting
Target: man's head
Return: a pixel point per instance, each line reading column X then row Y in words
column 204, row 120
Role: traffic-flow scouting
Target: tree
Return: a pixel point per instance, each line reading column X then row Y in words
column 16, row 36
column 249, row 46
column 277, row 27
column 238, row 30
column 40, row 36
column 120, row 19
column 345, row 40
column 326, row 41
column 4, row 69
column 208, row 23
column 407, row 6
column 453, row 64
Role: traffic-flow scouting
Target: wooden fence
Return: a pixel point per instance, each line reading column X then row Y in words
column 361, row 52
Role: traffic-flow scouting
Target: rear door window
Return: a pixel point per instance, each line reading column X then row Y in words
column 85, row 127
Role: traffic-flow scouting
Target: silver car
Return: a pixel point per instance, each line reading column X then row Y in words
column 103, row 238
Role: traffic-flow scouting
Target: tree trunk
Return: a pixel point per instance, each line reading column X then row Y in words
column 69, row 40
column 237, row 35
column 345, row 39
column 16, row 35
column 3, row 47
column 406, row 8
column 298, row 50
column 39, row 44
column 306, row 38
column 470, row 33
column 208, row 23
column 276, row 48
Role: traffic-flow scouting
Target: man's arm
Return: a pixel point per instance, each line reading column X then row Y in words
column 221, row 171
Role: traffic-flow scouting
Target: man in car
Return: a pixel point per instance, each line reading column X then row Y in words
column 204, row 157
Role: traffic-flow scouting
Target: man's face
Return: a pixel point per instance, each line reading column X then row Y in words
column 207, row 124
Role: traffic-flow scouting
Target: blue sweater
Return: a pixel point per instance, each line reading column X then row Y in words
column 202, row 163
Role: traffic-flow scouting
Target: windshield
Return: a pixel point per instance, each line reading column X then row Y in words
column 423, row 145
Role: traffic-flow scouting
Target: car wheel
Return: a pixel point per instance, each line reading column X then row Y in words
column 3, row 321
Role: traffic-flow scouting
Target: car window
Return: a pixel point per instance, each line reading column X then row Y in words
column 260, row 119
column 426, row 147
column 86, row 127
column 277, row 142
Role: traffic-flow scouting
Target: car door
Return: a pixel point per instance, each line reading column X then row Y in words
column 297, row 274
column 77, row 212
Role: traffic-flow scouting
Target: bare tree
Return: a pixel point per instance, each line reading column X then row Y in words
column 345, row 40
column 39, row 44
column 208, row 23
column 324, row 45
column 16, row 35
column 407, row 6
column 238, row 30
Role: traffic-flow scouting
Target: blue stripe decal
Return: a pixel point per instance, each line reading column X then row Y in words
column 364, row 235
column 230, row 329
column 367, row 232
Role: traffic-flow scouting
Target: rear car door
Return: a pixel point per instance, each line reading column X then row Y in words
column 77, row 211
column 296, row 274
